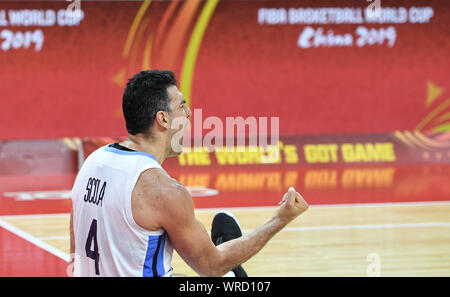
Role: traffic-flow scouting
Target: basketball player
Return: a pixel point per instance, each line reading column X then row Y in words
column 128, row 214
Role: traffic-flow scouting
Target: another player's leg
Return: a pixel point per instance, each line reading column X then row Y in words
column 226, row 227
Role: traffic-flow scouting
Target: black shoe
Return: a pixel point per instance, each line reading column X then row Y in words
column 225, row 227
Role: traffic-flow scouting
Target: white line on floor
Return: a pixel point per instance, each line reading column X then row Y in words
column 39, row 241
column 365, row 226
column 35, row 241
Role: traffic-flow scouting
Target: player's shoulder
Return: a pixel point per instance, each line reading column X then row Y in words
column 157, row 181
column 169, row 200
column 158, row 198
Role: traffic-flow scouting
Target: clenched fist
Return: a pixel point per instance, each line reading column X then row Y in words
column 291, row 206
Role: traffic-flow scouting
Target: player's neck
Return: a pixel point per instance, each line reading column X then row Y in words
column 148, row 145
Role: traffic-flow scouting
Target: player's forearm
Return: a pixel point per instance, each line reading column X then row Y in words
column 239, row 250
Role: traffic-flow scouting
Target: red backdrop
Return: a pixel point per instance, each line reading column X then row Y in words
column 231, row 60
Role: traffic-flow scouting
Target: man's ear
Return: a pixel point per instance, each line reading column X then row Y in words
column 162, row 118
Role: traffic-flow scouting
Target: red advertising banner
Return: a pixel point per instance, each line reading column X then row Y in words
column 399, row 147
column 320, row 66
column 36, row 176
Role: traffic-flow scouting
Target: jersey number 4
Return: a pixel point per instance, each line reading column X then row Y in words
column 92, row 237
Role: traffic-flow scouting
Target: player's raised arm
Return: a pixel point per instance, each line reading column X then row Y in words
column 191, row 240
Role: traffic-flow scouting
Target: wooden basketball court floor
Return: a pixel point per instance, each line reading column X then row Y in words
column 364, row 231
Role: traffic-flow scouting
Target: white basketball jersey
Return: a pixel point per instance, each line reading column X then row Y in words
column 108, row 242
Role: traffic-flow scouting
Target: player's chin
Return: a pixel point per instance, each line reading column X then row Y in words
column 176, row 149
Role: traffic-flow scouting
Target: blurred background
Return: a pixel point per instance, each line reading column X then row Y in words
column 361, row 91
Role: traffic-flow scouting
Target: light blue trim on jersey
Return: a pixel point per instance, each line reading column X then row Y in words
column 122, row 152
column 154, row 263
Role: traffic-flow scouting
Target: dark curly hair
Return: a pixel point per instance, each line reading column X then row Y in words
column 145, row 95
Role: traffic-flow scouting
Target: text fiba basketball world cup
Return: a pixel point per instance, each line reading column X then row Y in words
column 365, row 34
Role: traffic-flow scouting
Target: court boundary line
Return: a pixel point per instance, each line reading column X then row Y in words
column 34, row 240
column 364, row 226
column 325, row 228
column 337, row 205
column 38, row 241
column 245, row 208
